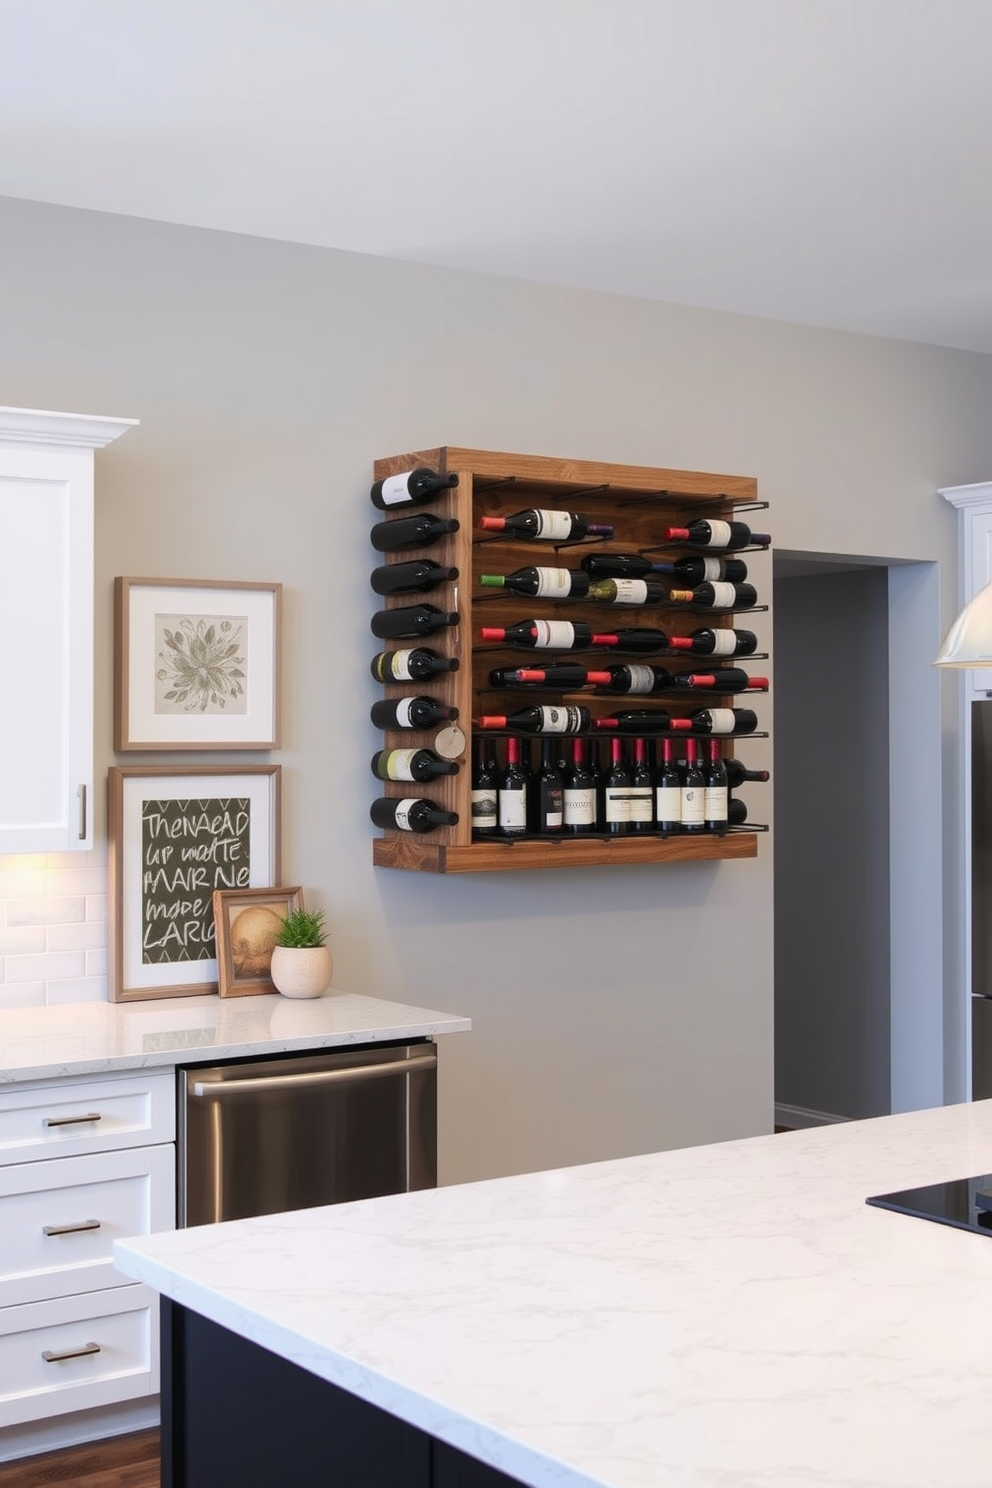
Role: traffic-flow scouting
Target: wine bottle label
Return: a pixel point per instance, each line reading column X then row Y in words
column 403, row 809
column 715, row 803
column 403, row 712
column 712, row 569
column 513, row 810
column 618, row 803
column 630, row 591
column 580, row 808
column 395, row 489
column 398, row 764
column 641, row 679
column 553, row 583
column 554, row 635
column 720, row 534
column 554, row 525
column 724, row 643
column 724, row 596
column 484, row 814
column 722, row 720
column 552, row 808
column 693, row 805
column 668, row 803
column 560, row 720
column 398, row 666
column 641, row 804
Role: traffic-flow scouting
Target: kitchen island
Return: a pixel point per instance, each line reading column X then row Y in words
column 713, row 1317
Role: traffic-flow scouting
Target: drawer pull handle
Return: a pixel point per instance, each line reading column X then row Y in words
column 71, row 1229
column 71, row 1120
column 51, row 1357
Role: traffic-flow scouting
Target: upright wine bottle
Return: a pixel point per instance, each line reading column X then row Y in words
column 715, row 790
column 512, row 794
column 421, row 529
column 639, row 679
column 714, row 534
column 621, row 566
column 580, row 792
column 717, row 596
column 411, row 764
column 641, row 790
column 560, row 674
column 485, row 787
column 616, row 793
column 410, row 620
column 546, row 526
column 541, row 720
column 721, row 679
column 411, row 815
column 540, row 583
column 413, row 665
column 629, row 591
column 693, row 792
column 541, row 635
column 410, row 713
column 642, row 721
column 737, row 775
column 723, row 721
column 668, row 791
column 708, row 641
column 547, row 791
column 404, row 578
column 705, row 570
column 410, row 488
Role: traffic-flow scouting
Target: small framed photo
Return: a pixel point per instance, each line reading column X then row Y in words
column 177, row 833
column 196, row 664
column 247, row 922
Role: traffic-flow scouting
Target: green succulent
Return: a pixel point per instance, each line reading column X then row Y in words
column 302, row 927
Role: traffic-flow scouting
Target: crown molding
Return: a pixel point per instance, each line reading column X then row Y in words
column 979, row 494
column 60, row 430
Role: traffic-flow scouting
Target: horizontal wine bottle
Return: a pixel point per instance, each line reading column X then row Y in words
column 736, row 812
column 723, row 721
column 716, row 642
column 641, row 679
column 403, row 578
column 541, row 635
column 643, row 721
column 419, row 530
column 411, row 665
column 410, row 487
column 629, row 591
column 621, row 566
column 721, row 679
column 540, row 583
column 411, row 764
column 537, row 524
column 555, row 674
column 737, row 775
column 540, row 720
column 717, row 596
column 410, row 620
column 705, row 570
column 411, row 815
column 641, row 640
column 716, row 534
column 410, row 713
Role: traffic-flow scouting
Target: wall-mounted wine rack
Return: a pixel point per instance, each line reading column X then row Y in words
column 639, row 502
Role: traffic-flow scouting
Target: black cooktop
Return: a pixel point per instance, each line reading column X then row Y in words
column 965, row 1203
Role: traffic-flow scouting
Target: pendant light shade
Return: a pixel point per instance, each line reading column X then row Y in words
column 968, row 643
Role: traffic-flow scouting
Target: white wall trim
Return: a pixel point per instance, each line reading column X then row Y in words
column 978, row 494
column 75, row 430
column 77, row 1428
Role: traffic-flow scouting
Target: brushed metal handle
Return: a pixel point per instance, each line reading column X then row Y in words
column 212, row 1089
column 71, row 1229
column 51, row 1357
column 71, row 1120
column 82, row 813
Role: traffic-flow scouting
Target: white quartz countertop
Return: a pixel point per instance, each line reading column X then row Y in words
column 716, row 1317
column 96, row 1037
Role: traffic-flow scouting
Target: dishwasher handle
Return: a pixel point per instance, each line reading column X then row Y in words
column 213, row 1089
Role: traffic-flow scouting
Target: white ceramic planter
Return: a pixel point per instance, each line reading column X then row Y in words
column 301, row 971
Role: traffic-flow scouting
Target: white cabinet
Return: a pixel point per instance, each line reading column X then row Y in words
column 975, row 550
column 82, row 1163
column 46, row 614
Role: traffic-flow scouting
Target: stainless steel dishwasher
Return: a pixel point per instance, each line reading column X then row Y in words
column 294, row 1131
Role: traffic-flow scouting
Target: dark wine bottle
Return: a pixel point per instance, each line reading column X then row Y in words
column 541, row 635
column 540, row 583
column 616, row 793
column 723, row 721
column 641, row 640
column 668, row 791
column 621, row 566
column 410, row 488
column 410, row 815
column 641, row 790
column 512, row 794
column 715, row 793
column 580, row 792
column 736, row 812
column 546, row 526
column 412, row 665
column 709, row 641
column 629, row 591
column 541, row 720
column 411, row 764
column 642, row 721
column 737, row 775
column 556, row 674
column 639, row 679
column 714, row 534
column 721, row 679
column 717, row 596
column 410, row 620
column 485, row 786
column 403, row 578
column 419, row 530
column 705, row 570
column 547, row 791
column 693, row 791
column 410, row 713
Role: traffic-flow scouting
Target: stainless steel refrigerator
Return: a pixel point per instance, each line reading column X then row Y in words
column 981, row 899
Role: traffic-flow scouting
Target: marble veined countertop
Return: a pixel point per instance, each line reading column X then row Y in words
column 97, row 1037
column 731, row 1316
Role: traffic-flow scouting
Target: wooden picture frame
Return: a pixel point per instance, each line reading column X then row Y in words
column 196, row 664
column 176, row 833
column 243, row 960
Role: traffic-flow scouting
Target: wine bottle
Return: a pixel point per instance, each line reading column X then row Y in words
column 641, row 790
column 715, row 790
column 705, row 570
column 643, row 721
column 723, row 721
column 485, row 786
column 403, row 578
column 410, row 815
column 621, row 566
column 717, row 596
column 410, row 620
column 640, row 679
column 412, row 665
column 419, row 530
column 668, row 791
column 736, row 812
column 721, row 679
column 616, row 793
column 580, row 792
column 511, row 804
column 411, row 764
column 541, row 720
column 546, row 526
column 410, row 488
column 541, row 635
column 693, row 792
column 707, row 641
column 410, row 713
column 547, row 791
column 555, row 674
column 629, row 591
column 642, row 641
column 737, row 775
column 713, row 534
column 540, row 583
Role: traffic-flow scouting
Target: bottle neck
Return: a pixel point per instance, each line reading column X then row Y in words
column 513, row 750
column 616, row 751
column 640, row 751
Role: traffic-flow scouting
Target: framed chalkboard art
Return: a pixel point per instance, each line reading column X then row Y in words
column 177, row 833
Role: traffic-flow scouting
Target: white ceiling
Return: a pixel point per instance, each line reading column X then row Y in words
column 823, row 161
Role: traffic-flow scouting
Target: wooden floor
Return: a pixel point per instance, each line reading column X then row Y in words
column 120, row 1462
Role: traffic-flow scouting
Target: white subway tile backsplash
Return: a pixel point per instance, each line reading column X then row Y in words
column 21, row 883
column 23, row 994
column 61, row 882
column 23, row 941
column 84, row 935
column 96, row 962
column 80, row 989
column 96, row 907
column 53, row 929
column 45, row 967
column 43, row 911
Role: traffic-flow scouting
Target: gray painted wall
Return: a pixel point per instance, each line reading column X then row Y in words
column 267, row 377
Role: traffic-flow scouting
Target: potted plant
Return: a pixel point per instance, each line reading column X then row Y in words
column 301, row 962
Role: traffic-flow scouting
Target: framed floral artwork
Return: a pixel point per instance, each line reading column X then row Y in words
column 196, row 664
column 246, row 923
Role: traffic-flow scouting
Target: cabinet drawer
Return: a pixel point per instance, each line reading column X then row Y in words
column 61, row 1117
column 59, row 1220
column 114, row 1336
